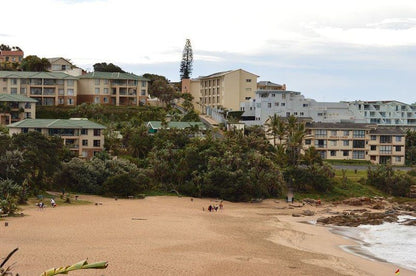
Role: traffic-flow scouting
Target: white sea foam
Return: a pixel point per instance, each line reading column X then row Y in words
column 392, row 242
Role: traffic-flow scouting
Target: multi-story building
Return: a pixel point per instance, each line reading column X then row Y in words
column 14, row 108
column 268, row 85
column 48, row 88
column 63, row 65
column 221, row 90
column 386, row 112
column 268, row 102
column 15, row 56
column 355, row 141
column 112, row 88
column 83, row 137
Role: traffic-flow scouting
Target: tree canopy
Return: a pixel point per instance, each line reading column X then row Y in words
column 104, row 67
column 186, row 63
column 35, row 64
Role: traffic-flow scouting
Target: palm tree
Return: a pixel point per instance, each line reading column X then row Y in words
column 276, row 127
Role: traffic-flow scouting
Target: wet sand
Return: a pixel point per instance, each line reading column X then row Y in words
column 174, row 236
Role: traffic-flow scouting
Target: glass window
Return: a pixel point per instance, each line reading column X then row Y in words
column 97, row 81
column 307, row 141
column 97, row 143
column 105, row 90
column 143, row 92
column 70, row 83
column 70, row 101
column 97, row 90
column 398, row 148
column 269, row 105
column 345, row 153
column 346, row 142
column 333, row 133
column 384, row 139
column 70, row 92
column 144, row 83
column 358, row 144
column 398, row 138
column 358, row 133
column 333, row 153
column 84, row 131
column 398, row 159
column 13, row 91
column 373, row 137
column 320, row 132
column 385, row 149
column 373, row 147
column 97, row 132
column 85, row 142
column 358, row 154
column 248, row 80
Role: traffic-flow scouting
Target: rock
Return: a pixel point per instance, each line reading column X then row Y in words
column 353, row 219
column 296, row 215
column 308, row 213
column 357, row 201
column 378, row 206
column 409, row 222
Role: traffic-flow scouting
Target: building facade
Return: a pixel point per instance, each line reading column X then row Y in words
column 221, row 90
column 83, row 137
column 14, row 108
column 11, row 56
column 48, row 88
column 355, row 141
column 119, row 89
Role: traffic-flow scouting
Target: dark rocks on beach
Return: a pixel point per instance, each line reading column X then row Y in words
column 354, row 220
column 409, row 222
column 308, row 213
column 296, row 215
column 378, row 206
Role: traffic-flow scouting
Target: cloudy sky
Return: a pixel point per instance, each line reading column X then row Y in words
column 328, row 50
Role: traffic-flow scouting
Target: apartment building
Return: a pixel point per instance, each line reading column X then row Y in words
column 223, row 89
column 14, row 108
column 63, row 65
column 386, row 112
column 81, row 136
column 268, row 85
column 14, row 56
column 356, row 141
column 120, row 89
column 48, row 88
column 285, row 103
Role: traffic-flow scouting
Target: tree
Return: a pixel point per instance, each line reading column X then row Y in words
column 104, row 67
column 187, row 59
column 35, row 63
column 162, row 90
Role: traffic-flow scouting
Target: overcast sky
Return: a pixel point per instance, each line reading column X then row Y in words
column 330, row 50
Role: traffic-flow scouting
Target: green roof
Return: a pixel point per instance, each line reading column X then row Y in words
column 56, row 123
column 178, row 125
column 112, row 76
column 16, row 98
column 35, row 75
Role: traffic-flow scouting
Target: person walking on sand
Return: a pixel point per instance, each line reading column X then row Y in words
column 53, row 204
column 221, row 205
column 210, row 208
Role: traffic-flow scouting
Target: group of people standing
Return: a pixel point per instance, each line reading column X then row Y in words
column 212, row 208
column 41, row 205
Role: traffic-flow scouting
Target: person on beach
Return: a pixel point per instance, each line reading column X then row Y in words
column 221, row 205
column 210, row 208
column 41, row 205
column 53, row 204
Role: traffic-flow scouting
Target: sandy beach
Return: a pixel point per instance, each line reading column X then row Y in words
column 174, row 236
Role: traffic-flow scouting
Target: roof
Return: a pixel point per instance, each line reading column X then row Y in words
column 376, row 102
column 52, row 60
column 35, row 75
column 11, row 53
column 178, row 125
column 112, row 76
column 16, row 98
column 387, row 130
column 265, row 91
column 56, row 123
column 269, row 83
column 340, row 125
column 219, row 74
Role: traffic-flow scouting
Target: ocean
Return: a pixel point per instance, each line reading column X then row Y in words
column 389, row 242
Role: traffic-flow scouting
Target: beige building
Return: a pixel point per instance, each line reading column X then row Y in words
column 268, row 85
column 11, row 56
column 112, row 88
column 63, row 65
column 14, row 108
column 223, row 89
column 353, row 141
column 48, row 88
column 83, row 137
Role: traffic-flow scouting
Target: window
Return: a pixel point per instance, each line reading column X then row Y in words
column 295, row 113
column 97, row 100
column 301, row 114
column 269, row 105
column 70, row 92
column 287, row 114
column 97, row 82
column 373, row 137
column 97, row 143
column 61, row 91
column 358, row 154
column 60, row 82
column 13, row 91
column 333, row 133
column 305, row 105
column 105, row 100
column 143, row 83
column 320, row 114
column 97, row 132
column 273, row 95
column 384, row 139
column 5, row 89
column 398, row 159
column 28, row 115
column 307, row 141
column 28, row 105
column 320, row 132
column 85, row 142
column 70, row 101
column 61, row 101
column 373, row 147
column 143, row 92
column 385, row 149
column 248, row 80
column 283, row 104
column 320, row 143
column 70, row 83
column 84, row 131
column 398, row 148
column 13, row 81
column 345, row 142
column 358, row 133
column 398, row 138
column 333, row 153
column 358, row 144
column 106, row 81
column 97, row 90
column 25, row 130
column 283, row 96
column 247, row 98
column 345, row 153
column 332, row 142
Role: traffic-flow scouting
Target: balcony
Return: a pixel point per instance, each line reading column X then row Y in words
column 35, row 91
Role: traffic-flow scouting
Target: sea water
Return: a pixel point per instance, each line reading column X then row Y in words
column 392, row 242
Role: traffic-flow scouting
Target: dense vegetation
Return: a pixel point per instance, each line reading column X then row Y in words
column 389, row 181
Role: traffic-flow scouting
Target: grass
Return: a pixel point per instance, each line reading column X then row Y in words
column 58, row 200
column 348, row 162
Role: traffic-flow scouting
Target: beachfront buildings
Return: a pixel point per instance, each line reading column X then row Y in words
column 356, row 141
column 221, row 90
column 120, row 89
column 14, row 108
column 14, row 56
column 284, row 103
column 48, row 88
column 81, row 136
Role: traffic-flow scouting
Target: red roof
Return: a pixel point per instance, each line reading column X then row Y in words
column 11, row 53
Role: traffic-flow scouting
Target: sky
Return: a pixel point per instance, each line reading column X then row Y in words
column 330, row 50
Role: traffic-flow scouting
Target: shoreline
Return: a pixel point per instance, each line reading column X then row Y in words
column 170, row 235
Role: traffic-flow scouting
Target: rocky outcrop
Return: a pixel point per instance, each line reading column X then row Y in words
column 354, row 219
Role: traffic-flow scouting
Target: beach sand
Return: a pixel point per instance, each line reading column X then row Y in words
column 174, row 236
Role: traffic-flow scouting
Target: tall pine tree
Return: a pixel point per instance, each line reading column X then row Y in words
column 186, row 63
